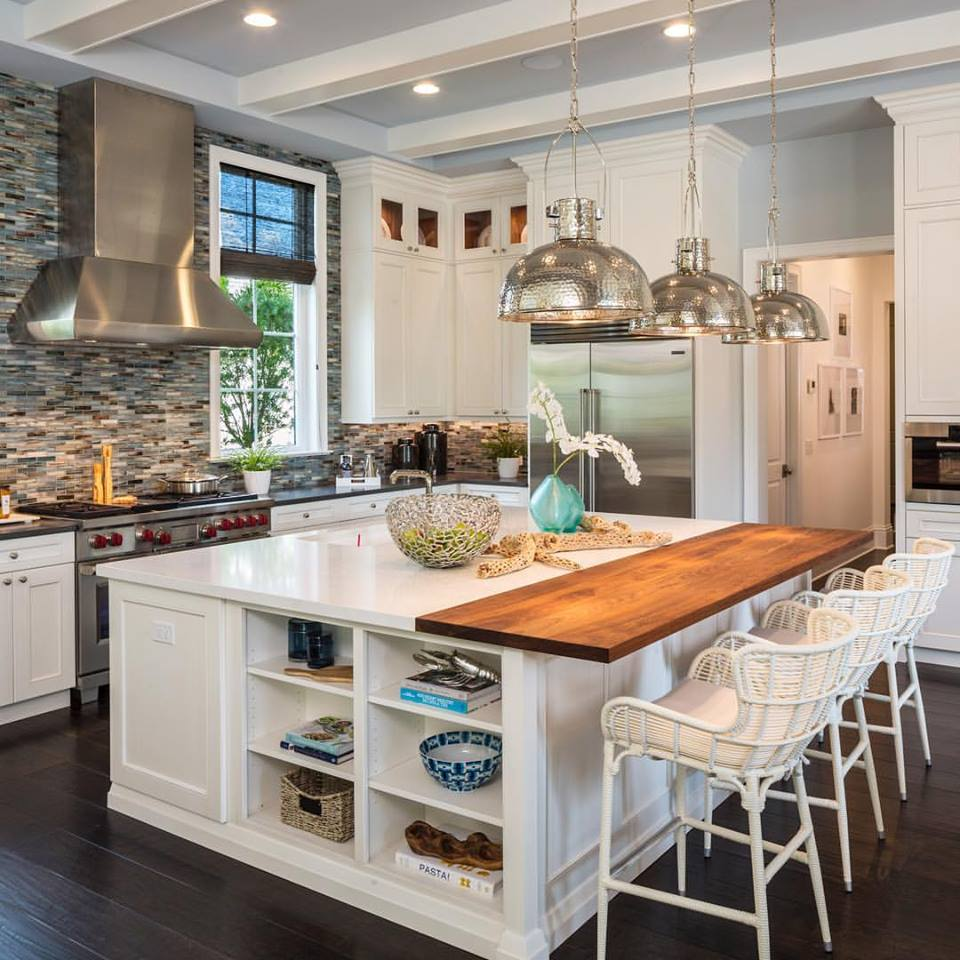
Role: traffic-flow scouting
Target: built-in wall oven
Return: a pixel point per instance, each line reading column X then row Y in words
column 932, row 462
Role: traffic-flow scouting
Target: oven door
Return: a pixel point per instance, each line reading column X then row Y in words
column 93, row 624
column 932, row 463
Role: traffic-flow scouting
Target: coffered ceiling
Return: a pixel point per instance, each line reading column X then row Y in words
column 334, row 77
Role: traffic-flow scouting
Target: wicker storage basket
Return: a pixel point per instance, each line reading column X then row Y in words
column 318, row 803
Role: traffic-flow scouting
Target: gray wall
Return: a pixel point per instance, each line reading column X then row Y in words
column 831, row 188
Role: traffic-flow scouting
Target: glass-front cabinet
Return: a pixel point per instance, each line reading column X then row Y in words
column 409, row 224
column 491, row 226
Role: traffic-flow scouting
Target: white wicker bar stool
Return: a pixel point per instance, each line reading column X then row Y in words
column 928, row 568
column 742, row 718
column 878, row 610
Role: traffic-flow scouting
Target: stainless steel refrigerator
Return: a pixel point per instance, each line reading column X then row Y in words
column 641, row 391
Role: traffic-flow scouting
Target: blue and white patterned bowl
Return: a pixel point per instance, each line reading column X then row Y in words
column 462, row 760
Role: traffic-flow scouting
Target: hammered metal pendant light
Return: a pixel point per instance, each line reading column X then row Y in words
column 781, row 316
column 694, row 302
column 577, row 278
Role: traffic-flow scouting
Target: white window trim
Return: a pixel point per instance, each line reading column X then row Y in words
column 312, row 393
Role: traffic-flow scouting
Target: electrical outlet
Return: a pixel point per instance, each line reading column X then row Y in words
column 162, row 632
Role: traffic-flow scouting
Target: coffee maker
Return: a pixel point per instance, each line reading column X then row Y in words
column 432, row 444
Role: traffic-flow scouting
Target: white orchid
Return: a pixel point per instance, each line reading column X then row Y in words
column 545, row 405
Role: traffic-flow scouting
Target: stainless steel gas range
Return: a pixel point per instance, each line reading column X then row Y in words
column 160, row 524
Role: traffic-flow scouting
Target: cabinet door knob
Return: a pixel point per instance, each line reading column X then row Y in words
column 416, row 249
column 409, row 249
column 306, row 516
column 22, row 579
column 14, row 555
column 7, row 581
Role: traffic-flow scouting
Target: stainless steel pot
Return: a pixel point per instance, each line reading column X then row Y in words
column 192, row 484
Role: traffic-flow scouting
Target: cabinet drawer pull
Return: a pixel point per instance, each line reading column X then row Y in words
column 22, row 579
column 373, row 506
column 306, row 516
column 14, row 555
column 7, row 581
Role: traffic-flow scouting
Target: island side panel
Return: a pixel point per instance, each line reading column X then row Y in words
column 574, row 696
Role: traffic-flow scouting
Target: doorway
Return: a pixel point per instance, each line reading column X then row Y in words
column 824, row 419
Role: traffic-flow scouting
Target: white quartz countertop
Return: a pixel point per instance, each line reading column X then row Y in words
column 324, row 574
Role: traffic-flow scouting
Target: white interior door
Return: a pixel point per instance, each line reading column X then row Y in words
column 778, row 469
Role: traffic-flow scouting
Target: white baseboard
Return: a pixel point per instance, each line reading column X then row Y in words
column 34, row 707
column 883, row 537
column 946, row 658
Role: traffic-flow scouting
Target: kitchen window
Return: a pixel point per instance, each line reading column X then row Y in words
column 267, row 252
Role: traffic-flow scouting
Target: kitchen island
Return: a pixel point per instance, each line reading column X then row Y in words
column 200, row 700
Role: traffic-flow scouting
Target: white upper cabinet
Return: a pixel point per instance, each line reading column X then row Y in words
column 931, row 333
column 491, row 226
column 931, row 161
column 410, row 223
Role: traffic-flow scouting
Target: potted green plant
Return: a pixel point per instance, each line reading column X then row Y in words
column 256, row 464
column 507, row 448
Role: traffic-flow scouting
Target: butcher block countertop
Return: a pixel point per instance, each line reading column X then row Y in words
column 608, row 611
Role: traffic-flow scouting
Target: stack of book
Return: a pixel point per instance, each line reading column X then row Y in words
column 424, row 689
column 327, row 738
column 471, row 880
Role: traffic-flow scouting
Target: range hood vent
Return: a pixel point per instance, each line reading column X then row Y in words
column 126, row 244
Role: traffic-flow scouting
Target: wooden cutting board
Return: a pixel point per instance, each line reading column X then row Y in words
column 338, row 673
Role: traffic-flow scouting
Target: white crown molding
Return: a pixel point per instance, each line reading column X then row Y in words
column 363, row 169
column 498, row 181
column 922, row 104
column 648, row 148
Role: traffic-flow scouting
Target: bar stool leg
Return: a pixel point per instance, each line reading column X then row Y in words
column 840, row 793
column 606, row 828
column 894, row 692
column 871, row 771
column 707, row 814
column 680, row 833
column 918, row 704
column 754, row 805
column 813, row 857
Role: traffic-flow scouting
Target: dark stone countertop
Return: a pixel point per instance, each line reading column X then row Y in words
column 39, row 528
column 308, row 494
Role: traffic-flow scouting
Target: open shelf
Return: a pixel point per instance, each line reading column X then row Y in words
column 493, row 908
column 267, row 822
column 273, row 668
column 410, row 781
column 486, row 718
column 269, row 746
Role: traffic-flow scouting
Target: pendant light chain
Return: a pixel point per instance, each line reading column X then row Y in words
column 574, row 121
column 773, row 214
column 691, row 199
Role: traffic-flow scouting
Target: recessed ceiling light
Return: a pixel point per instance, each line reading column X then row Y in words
column 426, row 88
column 542, row 61
column 260, row 18
column 678, row 30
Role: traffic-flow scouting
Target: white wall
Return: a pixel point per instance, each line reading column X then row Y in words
column 844, row 482
column 836, row 187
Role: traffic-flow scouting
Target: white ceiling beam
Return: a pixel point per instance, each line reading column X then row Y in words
column 507, row 29
column 80, row 25
column 869, row 52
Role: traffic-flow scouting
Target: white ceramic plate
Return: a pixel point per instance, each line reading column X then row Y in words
column 385, row 230
column 462, row 753
column 485, row 236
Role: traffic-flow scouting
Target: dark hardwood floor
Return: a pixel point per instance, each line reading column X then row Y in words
column 78, row 882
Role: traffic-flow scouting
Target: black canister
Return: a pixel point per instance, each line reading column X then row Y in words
column 305, row 641
column 406, row 456
column 432, row 444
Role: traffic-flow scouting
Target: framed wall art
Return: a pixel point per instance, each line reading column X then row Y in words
column 829, row 402
column 841, row 322
column 854, row 398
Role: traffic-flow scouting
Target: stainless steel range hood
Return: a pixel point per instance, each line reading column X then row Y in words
column 126, row 243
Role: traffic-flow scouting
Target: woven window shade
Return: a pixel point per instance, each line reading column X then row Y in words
column 266, row 227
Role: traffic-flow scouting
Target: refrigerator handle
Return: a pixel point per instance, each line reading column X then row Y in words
column 584, row 414
column 594, row 396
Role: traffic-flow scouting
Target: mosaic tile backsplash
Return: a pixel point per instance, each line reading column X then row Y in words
column 57, row 404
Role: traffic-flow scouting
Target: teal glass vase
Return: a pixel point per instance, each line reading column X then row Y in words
column 555, row 506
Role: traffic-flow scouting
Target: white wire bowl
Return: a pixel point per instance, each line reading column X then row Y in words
column 443, row 530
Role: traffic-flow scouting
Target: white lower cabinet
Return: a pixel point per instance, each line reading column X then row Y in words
column 942, row 630
column 44, row 631
column 37, row 618
column 505, row 496
column 167, row 736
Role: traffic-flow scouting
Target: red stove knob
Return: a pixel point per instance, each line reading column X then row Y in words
column 246, row 521
column 262, row 519
column 225, row 524
column 98, row 541
column 146, row 535
column 208, row 531
column 116, row 539
column 163, row 537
